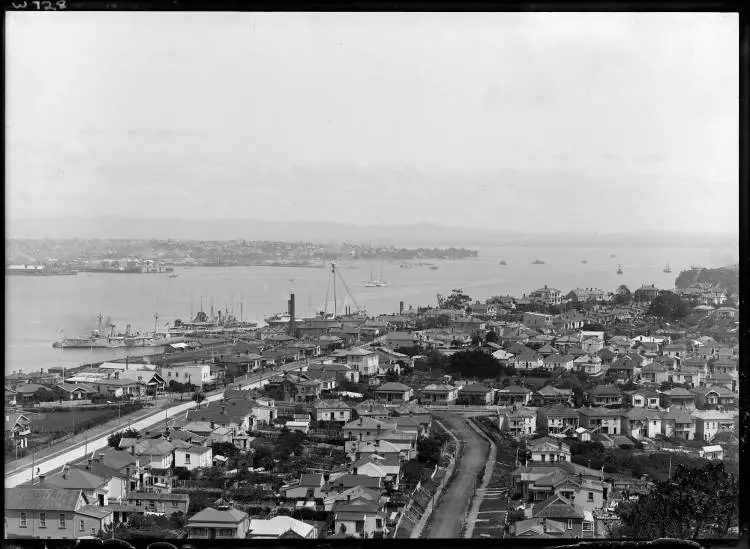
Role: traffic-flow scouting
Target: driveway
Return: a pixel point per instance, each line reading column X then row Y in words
column 454, row 503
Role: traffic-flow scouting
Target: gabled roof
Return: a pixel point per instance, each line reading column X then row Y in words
column 514, row 389
column 554, row 411
column 211, row 515
column 41, row 499
column 438, row 388
column 475, row 388
column 280, row 526
column 393, row 386
column 557, row 507
column 331, row 405
column 369, row 423
column 311, row 479
column 600, row 390
column 77, row 479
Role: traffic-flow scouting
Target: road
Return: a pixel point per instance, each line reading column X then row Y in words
column 446, row 521
column 97, row 438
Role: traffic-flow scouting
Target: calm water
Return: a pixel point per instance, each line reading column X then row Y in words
column 38, row 308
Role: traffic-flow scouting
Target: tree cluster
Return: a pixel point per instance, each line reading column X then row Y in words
column 669, row 306
column 474, row 364
column 694, row 503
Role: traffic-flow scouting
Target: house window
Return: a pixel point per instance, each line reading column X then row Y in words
column 591, row 496
column 137, row 503
column 22, row 523
column 174, row 504
column 42, row 520
column 82, row 526
column 187, row 459
column 62, row 520
column 378, row 523
column 588, row 527
column 570, row 524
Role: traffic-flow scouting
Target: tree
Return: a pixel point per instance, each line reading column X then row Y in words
column 115, row 438
column 457, row 300
column 593, row 327
column 694, row 503
column 474, row 364
column 491, row 337
column 410, row 351
column 669, row 306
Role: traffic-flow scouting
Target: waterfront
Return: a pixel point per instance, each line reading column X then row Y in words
column 38, row 308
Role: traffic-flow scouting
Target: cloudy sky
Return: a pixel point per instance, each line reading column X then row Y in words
column 531, row 122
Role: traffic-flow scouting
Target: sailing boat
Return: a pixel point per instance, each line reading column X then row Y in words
column 619, row 269
column 667, row 269
column 376, row 282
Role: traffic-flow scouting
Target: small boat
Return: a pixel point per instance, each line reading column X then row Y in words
column 667, row 269
column 173, row 276
column 377, row 282
column 537, row 262
column 612, row 255
column 434, row 267
column 619, row 269
column 584, row 261
column 502, row 262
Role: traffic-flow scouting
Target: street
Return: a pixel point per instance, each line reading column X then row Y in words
column 446, row 520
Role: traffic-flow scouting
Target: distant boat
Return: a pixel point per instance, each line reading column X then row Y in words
column 537, row 262
column 173, row 276
column 612, row 255
column 619, row 269
column 502, row 262
column 434, row 267
column 376, row 282
column 667, row 269
column 584, row 261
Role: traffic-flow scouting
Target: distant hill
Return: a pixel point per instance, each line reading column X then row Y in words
column 728, row 278
column 415, row 235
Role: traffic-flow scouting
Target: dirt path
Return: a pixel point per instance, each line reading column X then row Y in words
column 454, row 504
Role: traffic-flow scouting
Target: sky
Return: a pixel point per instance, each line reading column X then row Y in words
column 532, row 122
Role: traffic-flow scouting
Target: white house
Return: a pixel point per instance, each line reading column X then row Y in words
column 547, row 449
column 196, row 374
column 193, row 457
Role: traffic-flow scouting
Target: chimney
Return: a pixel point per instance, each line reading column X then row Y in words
column 400, row 307
column 65, row 473
column 360, row 421
column 41, row 477
column 127, row 471
column 348, row 497
column 101, row 458
column 132, row 449
column 88, row 465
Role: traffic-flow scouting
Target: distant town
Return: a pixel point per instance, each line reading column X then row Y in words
column 569, row 414
column 68, row 256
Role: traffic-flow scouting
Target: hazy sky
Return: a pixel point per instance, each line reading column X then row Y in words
column 532, row 122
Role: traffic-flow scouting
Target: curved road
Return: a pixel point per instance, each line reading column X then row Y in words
column 446, row 520
column 67, row 453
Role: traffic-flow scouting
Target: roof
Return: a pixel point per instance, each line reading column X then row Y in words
column 211, row 515
column 156, row 496
column 393, row 386
column 438, row 388
column 475, row 388
column 278, row 526
column 311, row 479
column 77, row 479
column 514, row 389
column 559, row 411
column 557, row 507
column 31, row 388
column 95, row 511
column 369, row 423
column 41, row 499
column 331, row 404
column 605, row 390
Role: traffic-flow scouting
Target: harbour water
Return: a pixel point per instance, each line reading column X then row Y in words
column 38, row 308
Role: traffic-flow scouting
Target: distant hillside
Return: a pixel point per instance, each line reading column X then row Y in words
column 728, row 278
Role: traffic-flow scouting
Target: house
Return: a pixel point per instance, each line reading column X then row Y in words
column 537, row 320
column 468, row 324
column 361, row 360
column 656, row 372
column 586, row 294
column 714, row 396
column 678, row 423
column 154, row 502
column 558, row 419
column 73, row 391
column 193, row 374
column 156, row 453
column 604, row 395
column 310, row 486
column 193, row 457
column 340, row 371
column 52, row 513
column 33, row 392
column 677, row 397
column 223, row 523
column 646, row 293
column 725, row 365
column 440, row 394
column 529, row 361
column 514, row 395
column 550, row 395
column 387, row 468
column 546, row 296
column 359, row 517
column 606, row 355
column 281, row 527
column 623, row 369
column 708, row 423
column 601, row 420
column 96, row 488
column 396, row 340
column 714, row 452
column 380, row 447
column 394, row 392
column 641, row 423
column 475, row 394
column 365, row 428
column 725, row 313
column 372, row 409
column 562, row 510
column 18, row 429
column 691, row 376
column 391, row 361
column 546, row 449
column 592, row 345
column 644, row 398
column 518, row 422
column 331, row 410
column 540, row 528
column 558, row 362
column 589, row 365
column 583, row 434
